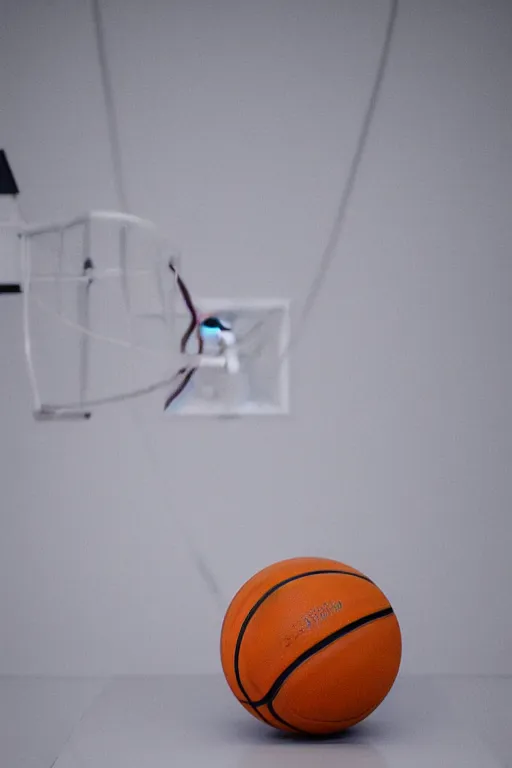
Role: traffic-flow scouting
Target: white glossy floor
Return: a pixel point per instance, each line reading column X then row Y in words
column 190, row 722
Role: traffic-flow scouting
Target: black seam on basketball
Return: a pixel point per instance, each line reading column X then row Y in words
column 272, row 711
column 274, row 714
column 259, row 602
column 324, row 643
column 258, row 714
column 313, row 734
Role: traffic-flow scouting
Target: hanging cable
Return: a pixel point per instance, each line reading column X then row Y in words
column 197, row 556
column 110, row 106
column 333, row 240
column 193, row 325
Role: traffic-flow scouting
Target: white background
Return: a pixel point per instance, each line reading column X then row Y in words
column 238, row 120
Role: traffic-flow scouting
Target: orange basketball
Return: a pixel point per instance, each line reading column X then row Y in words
column 310, row 645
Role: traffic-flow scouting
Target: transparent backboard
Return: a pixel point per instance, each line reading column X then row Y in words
column 260, row 385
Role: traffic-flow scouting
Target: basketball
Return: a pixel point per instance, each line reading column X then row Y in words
column 310, row 645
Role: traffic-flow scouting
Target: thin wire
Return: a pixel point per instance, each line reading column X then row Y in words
column 202, row 566
column 330, row 249
column 85, row 713
column 26, row 262
column 200, row 561
column 110, row 106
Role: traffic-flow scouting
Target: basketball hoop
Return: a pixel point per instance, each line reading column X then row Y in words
column 126, row 259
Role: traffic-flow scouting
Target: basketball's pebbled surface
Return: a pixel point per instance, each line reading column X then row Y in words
column 310, row 645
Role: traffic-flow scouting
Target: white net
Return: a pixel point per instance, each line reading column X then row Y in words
column 99, row 312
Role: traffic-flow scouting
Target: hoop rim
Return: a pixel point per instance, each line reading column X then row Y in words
column 87, row 217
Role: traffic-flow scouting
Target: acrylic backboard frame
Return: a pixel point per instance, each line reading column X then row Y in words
column 260, row 387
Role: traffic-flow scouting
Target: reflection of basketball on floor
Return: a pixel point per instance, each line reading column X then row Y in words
column 310, row 645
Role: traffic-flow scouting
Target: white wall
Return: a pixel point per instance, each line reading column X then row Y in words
column 238, row 120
